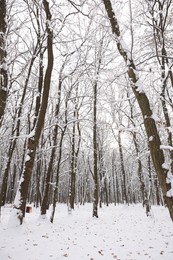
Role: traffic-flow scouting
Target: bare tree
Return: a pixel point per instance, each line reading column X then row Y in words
column 144, row 104
column 124, row 182
column 95, row 146
column 34, row 136
column 75, row 147
column 45, row 200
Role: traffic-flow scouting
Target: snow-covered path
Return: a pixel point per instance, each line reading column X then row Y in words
column 121, row 232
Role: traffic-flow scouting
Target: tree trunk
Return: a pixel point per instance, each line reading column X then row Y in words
column 139, row 170
column 37, row 200
column 55, row 194
column 95, row 171
column 104, row 197
column 46, row 194
column 113, row 178
column 72, row 168
column 75, row 147
column 12, row 186
column 3, row 55
column 124, row 189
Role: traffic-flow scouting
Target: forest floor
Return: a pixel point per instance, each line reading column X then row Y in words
column 121, row 232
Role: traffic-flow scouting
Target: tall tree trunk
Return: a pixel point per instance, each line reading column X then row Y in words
column 143, row 101
column 124, row 184
column 139, row 169
column 113, row 177
column 151, row 195
column 44, row 205
column 55, row 193
column 72, row 168
column 5, row 178
column 33, row 139
column 136, row 144
column 95, row 148
column 75, row 147
column 37, row 200
column 3, row 56
column 12, row 186
column 95, row 171
column 104, row 197
column 45, row 201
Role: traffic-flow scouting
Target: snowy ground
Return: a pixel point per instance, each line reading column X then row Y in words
column 121, row 232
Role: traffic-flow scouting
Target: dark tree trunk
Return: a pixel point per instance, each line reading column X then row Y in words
column 124, row 189
column 55, row 194
column 75, row 147
column 95, row 172
column 72, row 168
column 37, row 200
column 139, row 169
column 95, row 148
column 12, row 186
column 3, row 55
column 117, row 188
column 4, row 185
column 44, row 205
column 113, row 178
column 104, row 197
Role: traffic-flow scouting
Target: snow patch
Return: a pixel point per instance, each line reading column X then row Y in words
column 169, row 180
column 32, row 133
column 155, row 117
column 165, row 166
column 140, row 87
column 166, row 147
column 27, row 158
column 151, row 138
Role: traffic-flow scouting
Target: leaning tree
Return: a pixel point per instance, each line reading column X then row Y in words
column 158, row 157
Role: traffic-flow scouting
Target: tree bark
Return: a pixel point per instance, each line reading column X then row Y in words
column 45, row 200
column 95, row 171
column 3, row 56
column 55, row 194
column 72, row 167
column 124, row 184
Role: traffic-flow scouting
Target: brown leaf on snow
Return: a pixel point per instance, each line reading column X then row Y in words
column 45, row 236
column 100, row 252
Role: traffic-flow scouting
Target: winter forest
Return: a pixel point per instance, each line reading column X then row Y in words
column 86, row 129
column 86, row 104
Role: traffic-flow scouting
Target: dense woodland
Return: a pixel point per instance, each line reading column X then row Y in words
column 86, row 103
